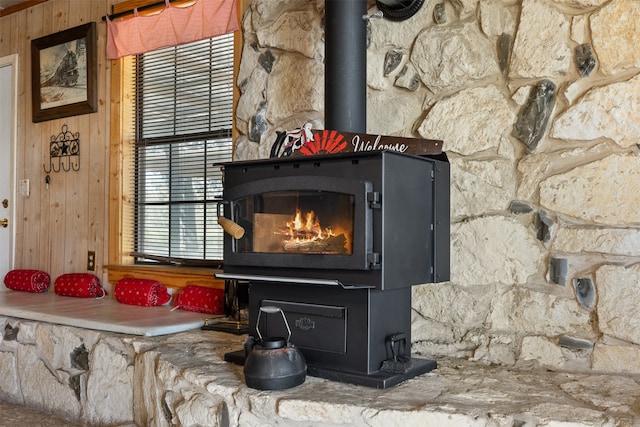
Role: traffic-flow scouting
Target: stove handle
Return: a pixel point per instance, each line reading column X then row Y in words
column 228, row 225
column 272, row 310
column 294, row 280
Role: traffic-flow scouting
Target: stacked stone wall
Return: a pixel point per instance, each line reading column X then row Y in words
column 95, row 378
column 538, row 105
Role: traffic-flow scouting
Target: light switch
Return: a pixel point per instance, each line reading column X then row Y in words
column 23, row 188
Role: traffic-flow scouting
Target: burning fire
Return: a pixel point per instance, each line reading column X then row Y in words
column 305, row 234
column 307, row 229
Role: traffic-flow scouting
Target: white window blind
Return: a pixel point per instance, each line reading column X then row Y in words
column 183, row 119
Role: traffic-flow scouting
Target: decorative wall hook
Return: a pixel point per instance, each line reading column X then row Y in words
column 64, row 151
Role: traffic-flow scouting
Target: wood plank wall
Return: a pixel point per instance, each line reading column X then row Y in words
column 58, row 225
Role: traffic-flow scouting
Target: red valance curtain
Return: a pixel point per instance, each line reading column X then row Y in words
column 171, row 27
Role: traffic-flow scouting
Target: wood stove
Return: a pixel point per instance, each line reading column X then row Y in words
column 336, row 242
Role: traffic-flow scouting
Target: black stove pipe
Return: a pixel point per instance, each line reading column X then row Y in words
column 399, row 10
column 345, row 79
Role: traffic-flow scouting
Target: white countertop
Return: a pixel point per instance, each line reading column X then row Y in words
column 104, row 314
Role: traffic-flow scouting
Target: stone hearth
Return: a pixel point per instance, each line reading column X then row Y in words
column 102, row 378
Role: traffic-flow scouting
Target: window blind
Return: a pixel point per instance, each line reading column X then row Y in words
column 183, row 118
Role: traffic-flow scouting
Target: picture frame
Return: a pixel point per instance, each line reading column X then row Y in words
column 64, row 73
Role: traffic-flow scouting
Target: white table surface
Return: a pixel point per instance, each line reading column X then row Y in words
column 104, row 314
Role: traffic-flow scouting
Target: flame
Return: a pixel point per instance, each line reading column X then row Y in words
column 305, row 234
column 308, row 228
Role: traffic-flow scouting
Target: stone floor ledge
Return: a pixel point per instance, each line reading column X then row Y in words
column 109, row 379
column 458, row 393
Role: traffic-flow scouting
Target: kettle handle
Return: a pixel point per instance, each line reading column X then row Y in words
column 272, row 310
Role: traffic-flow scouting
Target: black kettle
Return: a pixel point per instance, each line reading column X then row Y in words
column 273, row 363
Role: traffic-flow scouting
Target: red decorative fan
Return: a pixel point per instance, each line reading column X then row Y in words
column 325, row 142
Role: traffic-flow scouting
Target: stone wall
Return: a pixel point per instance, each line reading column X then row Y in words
column 538, row 105
column 101, row 378
column 97, row 378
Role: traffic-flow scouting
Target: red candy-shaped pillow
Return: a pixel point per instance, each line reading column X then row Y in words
column 27, row 280
column 82, row 285
column 201, row 300
column 144, row 292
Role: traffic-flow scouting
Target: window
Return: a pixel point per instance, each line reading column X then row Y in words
column 183, row 126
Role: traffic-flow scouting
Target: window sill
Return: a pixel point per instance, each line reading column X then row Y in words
column 170, row 276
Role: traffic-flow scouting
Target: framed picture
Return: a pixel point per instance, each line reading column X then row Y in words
column 63, row 73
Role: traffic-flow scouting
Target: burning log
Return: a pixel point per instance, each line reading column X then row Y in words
column 332, row 244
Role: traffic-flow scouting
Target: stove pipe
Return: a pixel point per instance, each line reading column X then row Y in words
column 345, row 80
column 399, row 10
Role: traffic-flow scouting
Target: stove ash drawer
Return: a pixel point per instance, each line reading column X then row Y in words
column 313, row 326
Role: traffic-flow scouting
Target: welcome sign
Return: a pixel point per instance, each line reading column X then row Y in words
column 308, row 142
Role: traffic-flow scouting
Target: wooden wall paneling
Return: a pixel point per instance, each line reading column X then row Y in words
column 128, row 164
column 99, row 202
column 125, row 198
column 121, row 163
column 79, row 13
column 173, row 277
column 35, row 16
column 57, row 233
column 34, row 245
column 78, row 183
column 115, row 226
column 112, row 97
column 41, row 225
column 61, row 14
column 100, row 167
column 245, row 4
column 20, row 6
column 73, row 193
column 74, row 196
column 6, row 29
column 114, row 255
column 58, row 225
column 37, row 241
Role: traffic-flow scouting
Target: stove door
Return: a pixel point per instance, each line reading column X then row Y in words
column 290, row 222
column 317, row 327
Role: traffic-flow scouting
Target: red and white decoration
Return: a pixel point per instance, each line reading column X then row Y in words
column 201, row 300
column 27, row 280
column 144, row 292
column 82, row 285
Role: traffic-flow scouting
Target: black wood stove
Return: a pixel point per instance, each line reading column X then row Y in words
column 336, row 242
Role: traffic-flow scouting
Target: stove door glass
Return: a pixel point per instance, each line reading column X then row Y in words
column 297, row 222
